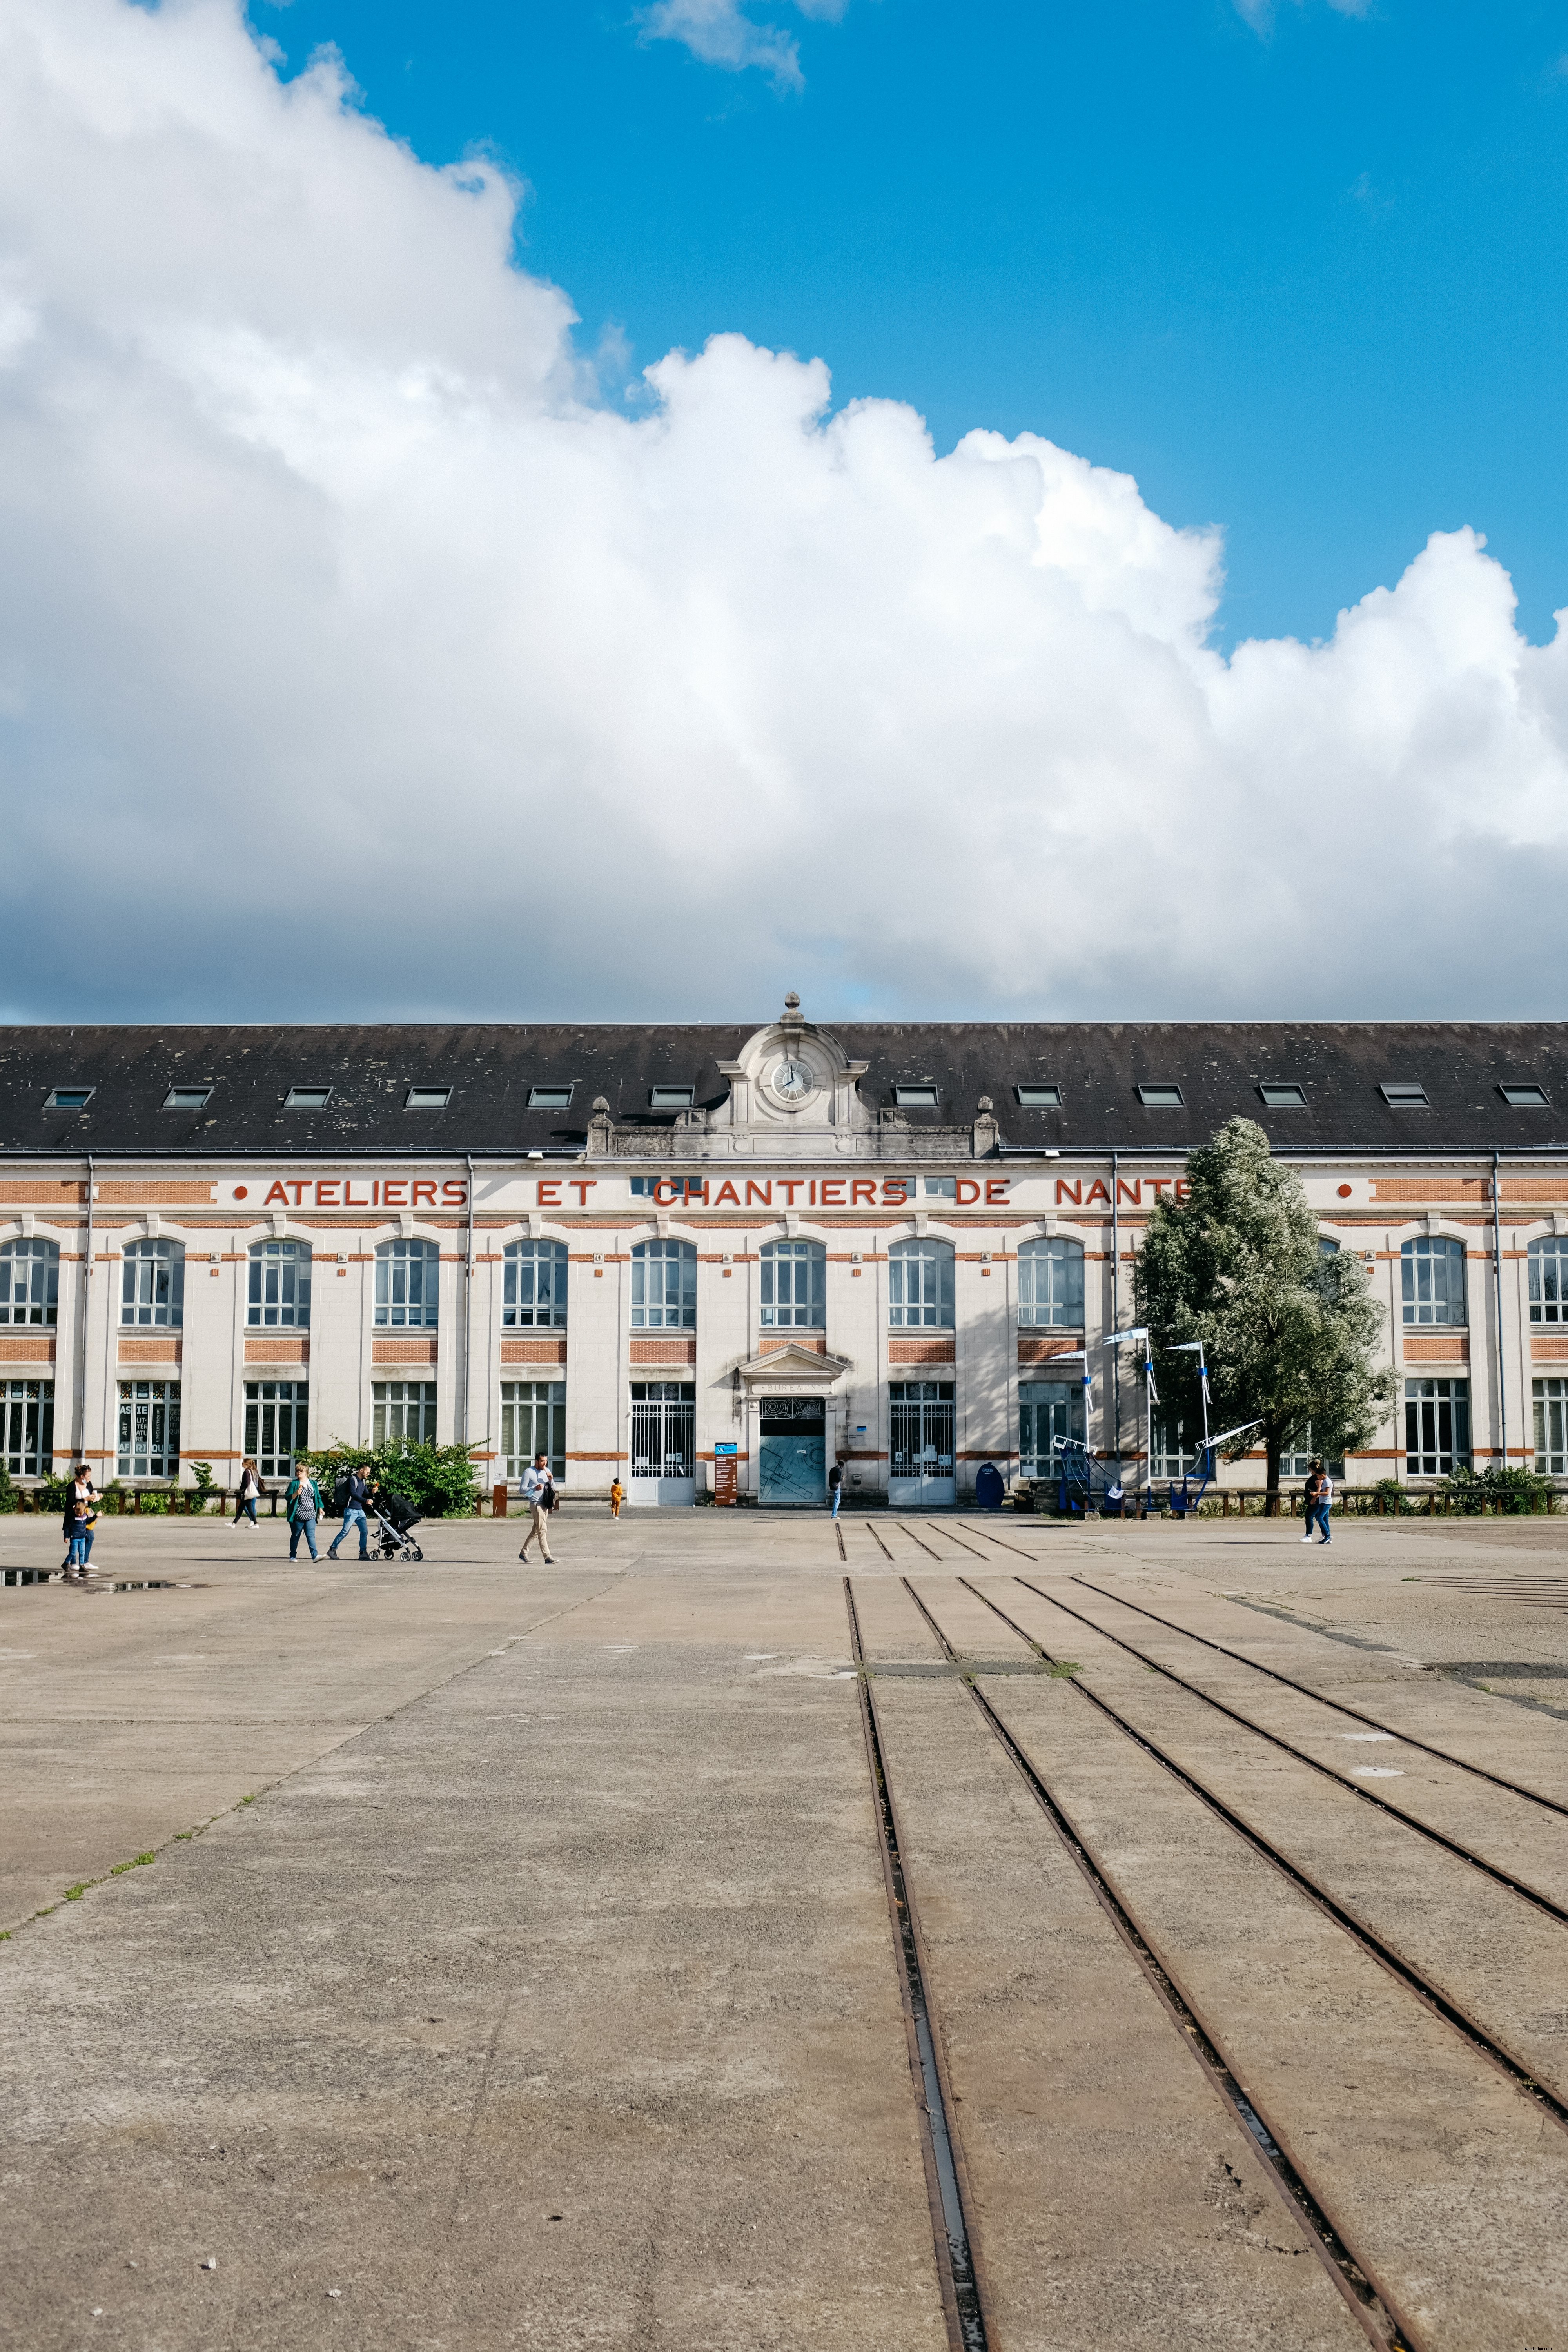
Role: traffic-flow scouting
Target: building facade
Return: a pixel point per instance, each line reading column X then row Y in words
column 702, row 1258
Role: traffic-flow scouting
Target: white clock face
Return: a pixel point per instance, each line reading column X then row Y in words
column 793, row 1081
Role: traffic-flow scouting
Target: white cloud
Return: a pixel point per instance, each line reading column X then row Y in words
column 721, row 33
column 354, row 660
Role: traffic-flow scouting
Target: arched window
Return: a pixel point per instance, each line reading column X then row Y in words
column 407, row 1285
column 533, row 1285
column 919, row 1285
column 794, row 1285
column 1050, row 1283
column 1433, row 1272
column 663, row 1287
column 1548, row 1279
column 152, row 1284
column 279, row 1287
column 30, row 1282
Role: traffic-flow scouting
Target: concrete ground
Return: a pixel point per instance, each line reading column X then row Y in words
column 481, row 1954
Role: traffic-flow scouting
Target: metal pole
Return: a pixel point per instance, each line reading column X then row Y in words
column 1115, row 1312
column 469, row 1300
column 81, row 1362
column 1497, row 1290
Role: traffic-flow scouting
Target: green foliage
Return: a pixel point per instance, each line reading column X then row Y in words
column 438, row 1480
column 9, row 1498
column 1290, row 1335
column 205, row 1485
column 50, row 1493
column 1391, row 1497
column 1513, row 1488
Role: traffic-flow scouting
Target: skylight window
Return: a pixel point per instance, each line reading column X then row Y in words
column 188, row 1097
column 1525, row 1097
column 1284, row 1097
column 1161, row 1097
column 1404, row 1098
column 426, row 1097
column 671, row 1097
column 549, row 1098
column 1038, row 1097
column 915, row 1098
column 68, row 1097
column 308, row 1098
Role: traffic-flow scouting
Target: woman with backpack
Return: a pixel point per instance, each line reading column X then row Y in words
column 304, row 1510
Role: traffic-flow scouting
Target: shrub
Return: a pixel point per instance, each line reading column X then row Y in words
column 1499, row 1489
column 9, row 1498
column 436, row 1479
column 1391, row 1497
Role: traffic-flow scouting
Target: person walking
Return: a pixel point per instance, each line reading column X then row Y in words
column 835, row 1489
column 304, row 1510
column 354, row 1493
column 539, row 1493
column 617, row 1497
column 81, row 1497
column 250, row 1487
column 1325, row 1496
column 1312, row 1495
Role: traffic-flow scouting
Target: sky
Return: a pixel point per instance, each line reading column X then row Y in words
column 530, row 511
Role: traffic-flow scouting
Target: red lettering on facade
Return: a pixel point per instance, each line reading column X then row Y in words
column 895, row 1192
column 297, row 1185
column 276, row 1194
column 394, row 1193
column 425, row 1191
column 759, row 1193
column 1132, row 1193
column 789, row 1185
column 726, row 1192
column 1157, row 1183
column 863, row 1189
column 1098, row 1190
column 696, row 1190
column 1184, row 1190
column 550, row 1192
column 327, row 1192
column 996, row 1193
column 1072, row 1190
column 582, row 1186
column 833, row 1192
column 454, row 1193
column 661, row 1198
column 966, row 1192
column 348, row 1200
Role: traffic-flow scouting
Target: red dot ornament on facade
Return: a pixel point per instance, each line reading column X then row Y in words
column 1344, row 1191
column 242, row 1192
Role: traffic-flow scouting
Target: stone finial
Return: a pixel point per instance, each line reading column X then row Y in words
column 986, row 1103
column 792, row 1002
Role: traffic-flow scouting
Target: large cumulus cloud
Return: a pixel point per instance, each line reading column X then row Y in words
column 355, row 659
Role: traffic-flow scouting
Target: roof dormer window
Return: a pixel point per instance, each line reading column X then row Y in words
column 670, row 1097
column 1405, row 1096
column 1038, row 1097
column 306, row 1098
column 68, row 1097
column 915, row 1098
column 1161, row 1097
column 188, row 1097
column 1284, row 1097
column 426, row 1097
column 1525, row 1097
column 549, row 1098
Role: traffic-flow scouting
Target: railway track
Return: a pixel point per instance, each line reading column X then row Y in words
column 1380, row 2305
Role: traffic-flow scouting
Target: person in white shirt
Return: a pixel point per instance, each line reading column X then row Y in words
column 539, row 1493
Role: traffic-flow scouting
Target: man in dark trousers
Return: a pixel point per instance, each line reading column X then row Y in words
column 835, row 1488
column 352, row 1494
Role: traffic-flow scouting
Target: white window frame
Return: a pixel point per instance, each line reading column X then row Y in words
column 270, row 1408
column 537, row 1312
column 1550, row 1251
column 524, row 1406
column 37, row 1299
column 1427, row 1401
column 140, row 1308
column 27, row 1428
column 395, row 1308
column 922, row 1300
column 278, row 1286
column 159, row 1457
column 665, row 1301
column 792, row 1287
column 1424, row 1302
column 402, row 1402
column 1050, row 1283
column 1549, row 1397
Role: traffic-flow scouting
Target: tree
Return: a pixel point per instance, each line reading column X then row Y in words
column 1290, row 1331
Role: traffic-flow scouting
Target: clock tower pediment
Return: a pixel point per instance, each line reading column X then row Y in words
column 794, row 1076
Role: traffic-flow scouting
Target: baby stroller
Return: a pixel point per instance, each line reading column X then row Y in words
column 395, row 1518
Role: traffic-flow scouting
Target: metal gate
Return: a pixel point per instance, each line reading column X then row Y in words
column 793, row 1441
column 921, row 1469
column 664, row 1465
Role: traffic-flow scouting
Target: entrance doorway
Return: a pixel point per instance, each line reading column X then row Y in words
column 664, row 1466
column 793, row 1465
column 921, row 1471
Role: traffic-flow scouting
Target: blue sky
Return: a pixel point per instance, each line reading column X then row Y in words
column 1301, row 273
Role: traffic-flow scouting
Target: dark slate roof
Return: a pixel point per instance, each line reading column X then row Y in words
column 490, row 1069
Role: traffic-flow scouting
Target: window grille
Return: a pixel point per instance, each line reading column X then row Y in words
column 1050, row 1283
column 276, row 1424
column 30, row 1282
column 1549, row 1279
column 149, row 1429
column 1551, row 1401
column 153, row 1285
column 664, row 1288
column 279, row 1287
column 1437, row 1427
column 1432, row 1274
column 794, row 1285
column 1049, row 1411
column 921, row 1428
column 27, row 1428
column 664, row 1415
column 532, row 1421
column 403, row 1409
column 919, row 1285
column 533, row 1285
column 407, row 1285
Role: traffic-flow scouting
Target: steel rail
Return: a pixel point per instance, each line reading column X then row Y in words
column 1340, row 1779
column 1366, row 2302
column 1357, row 1714
column 955, row 2262
column 1516, row 2069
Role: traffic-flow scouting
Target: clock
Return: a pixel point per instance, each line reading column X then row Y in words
column 793, row 1081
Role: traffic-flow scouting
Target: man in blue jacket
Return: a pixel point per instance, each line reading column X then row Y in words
column 354, row 1493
